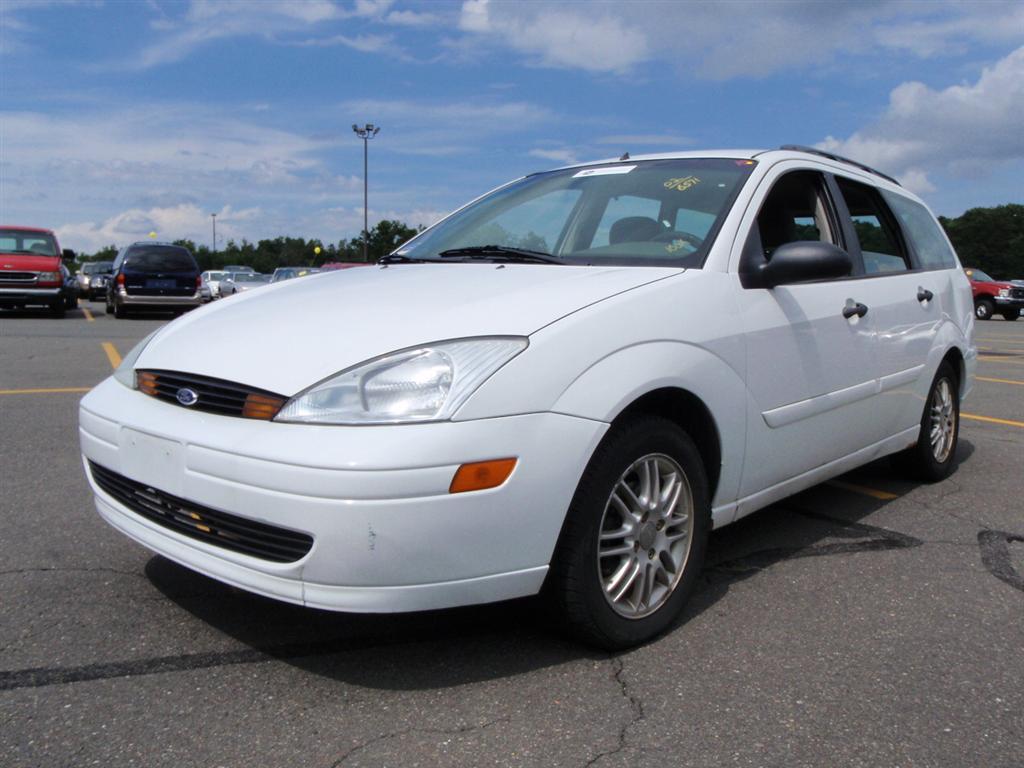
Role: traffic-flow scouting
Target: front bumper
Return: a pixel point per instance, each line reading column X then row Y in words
column 387, row 534
column 1009, row 302
column 17, row 296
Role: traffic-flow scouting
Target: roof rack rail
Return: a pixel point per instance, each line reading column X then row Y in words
column 839, row 158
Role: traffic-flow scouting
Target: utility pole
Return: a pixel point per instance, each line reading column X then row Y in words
column 366, row 133
column 214, row 217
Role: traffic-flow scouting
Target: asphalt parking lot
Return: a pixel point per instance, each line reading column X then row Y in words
column 866, row 622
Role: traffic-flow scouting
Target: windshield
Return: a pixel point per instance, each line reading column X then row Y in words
column 22, row 241
column 977, row 274
column 249, row 277
column 97, row 267
column 158, row 258
column 654, row 213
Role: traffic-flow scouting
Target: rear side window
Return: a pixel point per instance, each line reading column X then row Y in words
column 880, row 242
column 161, row 259
column 920, row 227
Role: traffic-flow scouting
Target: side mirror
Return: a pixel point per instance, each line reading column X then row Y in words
column 68, row 255
column 803, row 261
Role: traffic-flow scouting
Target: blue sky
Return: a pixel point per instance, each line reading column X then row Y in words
column 120, row 118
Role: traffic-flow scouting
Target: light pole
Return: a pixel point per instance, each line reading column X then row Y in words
column 214, row 217
column 366, row 133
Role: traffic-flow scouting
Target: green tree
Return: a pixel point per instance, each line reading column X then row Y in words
column 991, row 239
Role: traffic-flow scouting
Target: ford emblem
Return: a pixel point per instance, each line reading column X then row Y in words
column 187, row 396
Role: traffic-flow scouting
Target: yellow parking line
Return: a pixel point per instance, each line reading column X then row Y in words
column 993, row 420
column 1000, row 381
column 53, row 390
column 88, row 314
column 112, row 354
column 864, row 490
column 987, row 359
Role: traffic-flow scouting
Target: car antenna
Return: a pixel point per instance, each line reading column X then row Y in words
column 625, row 156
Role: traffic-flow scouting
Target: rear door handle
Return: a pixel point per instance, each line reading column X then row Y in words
column 857, row 309
column 923, row 295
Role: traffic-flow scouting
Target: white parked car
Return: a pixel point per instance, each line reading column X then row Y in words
column 240, row 282
column 212, row 279
column 565, row 384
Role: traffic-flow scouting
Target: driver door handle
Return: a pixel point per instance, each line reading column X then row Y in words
column 857, row 309
column 923, row 295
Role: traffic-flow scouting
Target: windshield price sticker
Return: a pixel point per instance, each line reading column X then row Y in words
column 683, row 183
column 606, row 171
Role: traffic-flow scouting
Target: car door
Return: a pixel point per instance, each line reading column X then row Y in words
column 810, row 351
column 906, row 297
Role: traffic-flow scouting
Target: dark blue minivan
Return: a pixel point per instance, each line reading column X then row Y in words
column 153, row 276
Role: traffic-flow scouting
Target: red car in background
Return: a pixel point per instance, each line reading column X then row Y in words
column 30, row 273
column 994, row 296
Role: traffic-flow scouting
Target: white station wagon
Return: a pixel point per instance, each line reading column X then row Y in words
column 560, row 388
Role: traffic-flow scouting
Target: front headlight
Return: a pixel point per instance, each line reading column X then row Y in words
column 125, row 372
column 1004, row 293
column 426, row 383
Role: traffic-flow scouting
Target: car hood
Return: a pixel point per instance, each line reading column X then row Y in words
column 290, row 335
column 20, row 261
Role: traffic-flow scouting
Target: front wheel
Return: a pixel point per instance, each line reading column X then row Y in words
column 983, row 309
column 1011, row 316
column 932, row 458
column 634, row 538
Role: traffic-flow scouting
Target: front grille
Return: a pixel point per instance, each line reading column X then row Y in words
column 213, row 395
column 267, row 542
column 18, row 277
column 1017, row 293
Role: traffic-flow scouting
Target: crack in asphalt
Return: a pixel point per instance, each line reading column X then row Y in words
column 405, row 731
column 995, row 556
column 635, row 705
column 61, row 569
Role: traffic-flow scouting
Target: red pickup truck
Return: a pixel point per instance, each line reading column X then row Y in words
column 994, row 296
column 30, row 273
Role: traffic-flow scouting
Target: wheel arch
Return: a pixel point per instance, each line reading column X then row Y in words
column 692, row 415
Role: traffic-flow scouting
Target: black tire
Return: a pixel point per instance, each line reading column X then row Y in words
column 108, row 309
column 920, row 462
column 1011, row 316
column 120, row 312
column 575, row 590
column 983, row 309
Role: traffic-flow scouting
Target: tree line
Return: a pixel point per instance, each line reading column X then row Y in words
column 989, row 239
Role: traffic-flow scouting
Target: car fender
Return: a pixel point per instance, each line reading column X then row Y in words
column 608, row 387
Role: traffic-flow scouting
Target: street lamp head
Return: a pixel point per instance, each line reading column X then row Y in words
column 376, row 130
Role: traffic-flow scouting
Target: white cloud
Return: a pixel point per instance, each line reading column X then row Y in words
column 184, row 221
column 646, row 139
column 564, row 156
column 965, row 129
column 412, row 19
column 364, row 43
column 561, row 35
column 743, row 38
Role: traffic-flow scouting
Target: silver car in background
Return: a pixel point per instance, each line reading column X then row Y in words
column 240, row 282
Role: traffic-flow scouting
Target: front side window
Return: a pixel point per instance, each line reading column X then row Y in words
column 646, row 213
column 795, row 210
column 880, row 243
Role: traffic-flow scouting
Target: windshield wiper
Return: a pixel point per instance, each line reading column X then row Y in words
column 502, row 252
column 397, row 258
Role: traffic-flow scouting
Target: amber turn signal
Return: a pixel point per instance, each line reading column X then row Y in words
column 262, row 407
column 146, row 382
column 480, row 475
